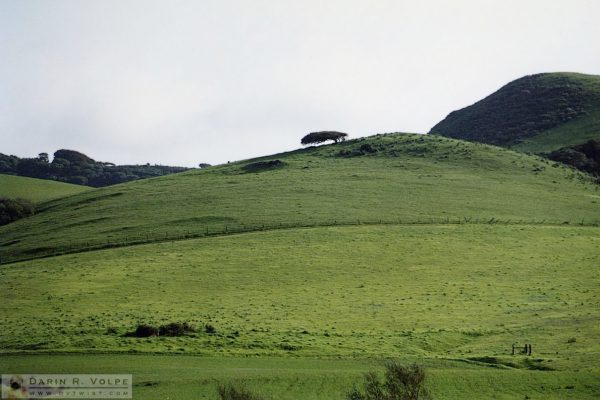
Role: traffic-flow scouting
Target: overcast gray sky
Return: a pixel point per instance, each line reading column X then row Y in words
column 183, row 82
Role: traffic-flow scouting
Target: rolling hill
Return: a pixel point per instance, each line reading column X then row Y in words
column 36, row 190
column 537, row 113
column 311, row 264
column 397, row 178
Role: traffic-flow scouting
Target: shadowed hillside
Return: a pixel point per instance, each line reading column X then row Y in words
column 537, row 113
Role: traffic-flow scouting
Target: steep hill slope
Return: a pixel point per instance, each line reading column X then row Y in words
column 536, row 113
column 36, row 190
column 396, row 178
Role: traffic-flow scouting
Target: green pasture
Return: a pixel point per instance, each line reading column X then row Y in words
column 36, row 190
column 451, row 291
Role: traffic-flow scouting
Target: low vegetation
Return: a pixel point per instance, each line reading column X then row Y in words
column 401, row 382
column 171, row 329
column 231, row 392
column 263, row 165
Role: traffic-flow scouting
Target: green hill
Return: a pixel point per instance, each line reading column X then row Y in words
column 311, row 266
column 537, row 113
column 36, row 190
column 392, row 178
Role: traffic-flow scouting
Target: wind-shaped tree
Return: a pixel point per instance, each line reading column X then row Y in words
column 323, row 136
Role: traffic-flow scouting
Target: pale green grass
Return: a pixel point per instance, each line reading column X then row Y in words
column 36, row 190
column 417, row 179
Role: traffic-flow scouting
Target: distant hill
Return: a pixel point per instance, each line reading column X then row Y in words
column 77, row 168
column 36, row 190
column 537, row 113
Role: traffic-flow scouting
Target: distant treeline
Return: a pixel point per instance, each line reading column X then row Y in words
column 77, row 168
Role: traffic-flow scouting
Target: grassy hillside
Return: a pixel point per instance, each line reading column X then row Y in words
column 36, row 190
column 537, row 113
column 396, row 178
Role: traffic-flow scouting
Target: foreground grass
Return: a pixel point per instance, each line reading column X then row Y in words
column 410, row 178
column 36, row 190
column 456, row 291
column 188, row 377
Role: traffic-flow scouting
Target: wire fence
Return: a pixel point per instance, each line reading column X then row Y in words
column 72, row 247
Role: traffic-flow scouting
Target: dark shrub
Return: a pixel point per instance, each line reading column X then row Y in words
column 402, row 382
column 111, row 330
column 211, row 330
column 230, row 392
column 14, row 209
column 263, row 166
column 585, row 157
column 145, row 331
column 176, row 329
column 363, row 150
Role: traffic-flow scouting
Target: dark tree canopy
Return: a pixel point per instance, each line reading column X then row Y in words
column 323, row 136
column 585, row 157
column 14, row 209
column 75, row 167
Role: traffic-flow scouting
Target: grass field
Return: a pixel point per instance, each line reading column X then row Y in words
column 425, row 249
column 175, row 377
column 36, row 190
column 429, row 293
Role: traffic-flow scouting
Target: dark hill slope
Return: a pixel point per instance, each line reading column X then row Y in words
column 537, row 113
column 386, row 178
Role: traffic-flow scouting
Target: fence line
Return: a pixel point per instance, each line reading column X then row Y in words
column 229, row 229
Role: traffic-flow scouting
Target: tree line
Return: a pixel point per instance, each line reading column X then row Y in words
column 74, row 167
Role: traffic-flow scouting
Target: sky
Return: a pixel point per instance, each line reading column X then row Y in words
column 182, row 82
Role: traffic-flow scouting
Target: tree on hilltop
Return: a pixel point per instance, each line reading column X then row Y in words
column 323, row 136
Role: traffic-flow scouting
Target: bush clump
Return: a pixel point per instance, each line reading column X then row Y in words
column 144, row 330
column 263, row 166
column 14, row 209
column 170, row 329
column 176, row 329
column 363, row 150
column 402, row 382
column 230, row 392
